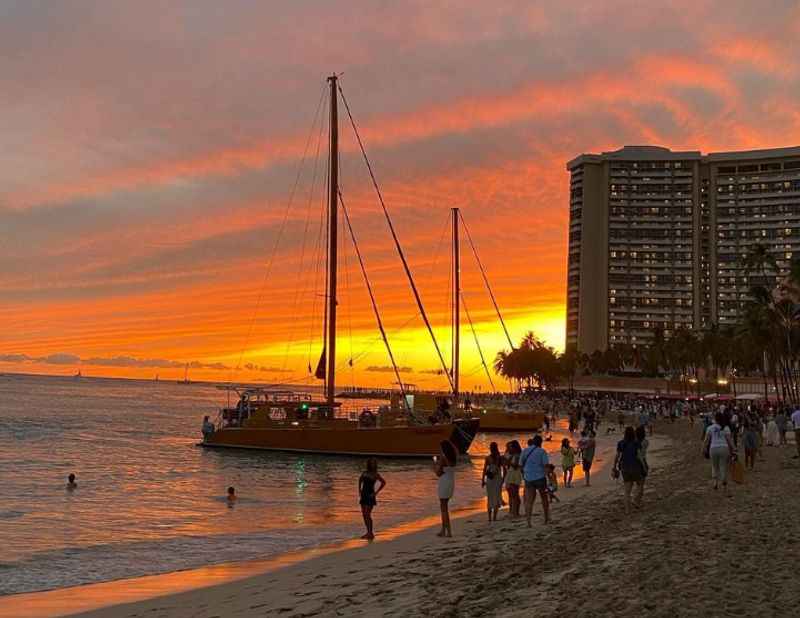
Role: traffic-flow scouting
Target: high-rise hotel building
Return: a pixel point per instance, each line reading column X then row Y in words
column 656, row 238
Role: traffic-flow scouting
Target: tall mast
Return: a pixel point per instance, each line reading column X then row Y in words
column 456, row 302
column 333, row 203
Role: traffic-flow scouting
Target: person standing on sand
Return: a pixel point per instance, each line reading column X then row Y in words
column 533, row 461
column 567, row 462
column 368, row 494
column 780, row 421
column 587, row 446
column 750, row 442
column 773, row 435
column 72, row 484
column 796, row 423
column 492, row 480
column 628, row 463
column 720, row 447
column 445, row 469
column 644, row 444
column 513, row 477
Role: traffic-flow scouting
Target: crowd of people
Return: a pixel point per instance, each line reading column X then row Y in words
column 527, row 473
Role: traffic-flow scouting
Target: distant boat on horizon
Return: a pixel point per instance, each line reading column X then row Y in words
column 78, row 375
column 186, row 379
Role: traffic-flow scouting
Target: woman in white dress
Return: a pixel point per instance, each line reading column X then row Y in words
column 773, row 434
column 445, row 468
column 492, row 480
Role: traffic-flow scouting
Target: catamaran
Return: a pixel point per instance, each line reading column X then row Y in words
column 287, row 421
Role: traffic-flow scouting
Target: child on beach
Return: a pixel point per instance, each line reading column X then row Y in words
column 367, row 494
column 567, row 461
column 513, row 478
column 552, row 482
column 72, row 484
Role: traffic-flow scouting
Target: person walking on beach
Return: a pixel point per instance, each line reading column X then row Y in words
column 587, row 446
column 72, row 484
column 492, row 480
column 750, row 442
column 513, row 477
column 796, row 423
column 720, row 447
column 780, row 421
column 368, row 494
column 445, row 469
column 628, row 463
column 533, row 461
column 567, row 462
column 773, row 435
column 644, row 419
column 644, row 444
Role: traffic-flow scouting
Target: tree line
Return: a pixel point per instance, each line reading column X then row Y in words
column 763, row 341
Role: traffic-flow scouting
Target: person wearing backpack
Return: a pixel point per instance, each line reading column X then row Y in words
column 718, row 447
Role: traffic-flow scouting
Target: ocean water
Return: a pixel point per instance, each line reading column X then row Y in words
column 150, row 501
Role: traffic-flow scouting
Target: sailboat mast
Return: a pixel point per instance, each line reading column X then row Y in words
column 456, row 303
column 333, row 220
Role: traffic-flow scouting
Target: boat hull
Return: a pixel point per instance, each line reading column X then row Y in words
column 464, row 432
column 503, row 420
column 411, row 441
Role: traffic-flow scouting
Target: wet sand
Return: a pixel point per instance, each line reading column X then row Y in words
column 689, row 552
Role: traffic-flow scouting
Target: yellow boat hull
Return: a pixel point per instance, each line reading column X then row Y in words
column 494, row 419
column 405, row 441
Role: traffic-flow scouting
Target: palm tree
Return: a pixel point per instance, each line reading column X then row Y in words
column 532, row 362
column 758, row 260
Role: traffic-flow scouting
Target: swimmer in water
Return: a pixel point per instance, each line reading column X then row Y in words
column 231, row 496
column 72, row 485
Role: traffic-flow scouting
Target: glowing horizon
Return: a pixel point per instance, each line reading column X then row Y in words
column 144, row 187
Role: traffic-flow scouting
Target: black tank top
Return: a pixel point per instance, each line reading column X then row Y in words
column 367, row 486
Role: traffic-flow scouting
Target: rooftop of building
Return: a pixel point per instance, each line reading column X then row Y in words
column 661, row 153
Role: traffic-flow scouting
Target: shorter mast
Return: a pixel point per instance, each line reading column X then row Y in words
column 456, row 303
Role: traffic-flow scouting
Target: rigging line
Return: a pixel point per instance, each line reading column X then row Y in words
column 477, row 343
column 314, row 283
column 438, row 249
column 318, row 271
column 377, row 339
column 280, row 235
column 396, row 240
column 297, row 293
column 486, row 280
column 348, row 291
column 372, row 299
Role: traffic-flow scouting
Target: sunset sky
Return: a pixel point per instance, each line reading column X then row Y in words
column 150, row 151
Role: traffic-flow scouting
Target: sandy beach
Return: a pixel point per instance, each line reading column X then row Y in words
column 689, row 552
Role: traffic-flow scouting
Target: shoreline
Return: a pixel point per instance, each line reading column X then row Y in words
column 110, row 598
